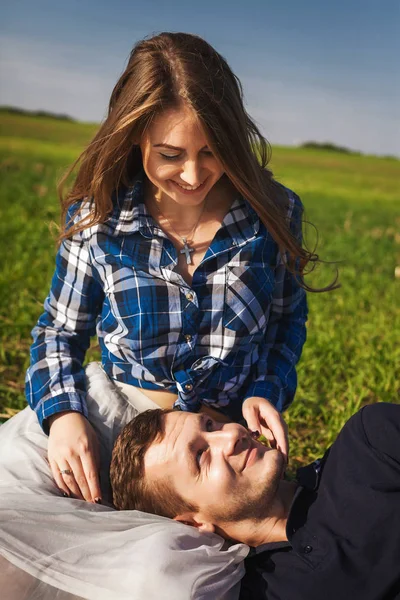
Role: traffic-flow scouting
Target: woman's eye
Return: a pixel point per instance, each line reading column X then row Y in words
column 209, row 425
column 175, row 156
column 168, row 157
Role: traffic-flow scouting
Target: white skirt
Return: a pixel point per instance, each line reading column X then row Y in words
column 56, row 548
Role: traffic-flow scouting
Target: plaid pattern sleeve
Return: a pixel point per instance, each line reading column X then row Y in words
column 235, row 331
column 55, row 379
column 274, row 375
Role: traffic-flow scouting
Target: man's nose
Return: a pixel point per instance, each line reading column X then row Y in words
column 191, row 173
column 230, row 439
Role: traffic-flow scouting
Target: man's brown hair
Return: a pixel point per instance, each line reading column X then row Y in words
column 131, row 489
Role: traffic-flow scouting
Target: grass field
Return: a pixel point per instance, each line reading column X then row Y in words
column 352, row 355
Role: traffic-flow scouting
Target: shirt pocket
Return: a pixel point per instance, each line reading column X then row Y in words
column 143, row 311
column 248, row 295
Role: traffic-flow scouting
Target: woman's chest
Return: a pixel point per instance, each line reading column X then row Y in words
column 149, row 287
column 191, row 253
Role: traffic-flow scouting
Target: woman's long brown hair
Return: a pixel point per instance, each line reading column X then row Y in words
column 163, row 72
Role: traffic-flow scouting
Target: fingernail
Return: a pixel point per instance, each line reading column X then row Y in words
column 97, row 500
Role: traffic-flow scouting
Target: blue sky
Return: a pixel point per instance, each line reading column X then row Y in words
column 311, row 70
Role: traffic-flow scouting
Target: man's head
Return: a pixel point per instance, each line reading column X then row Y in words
column 194, row 469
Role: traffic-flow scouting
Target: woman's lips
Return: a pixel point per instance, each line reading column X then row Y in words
column 188, row 192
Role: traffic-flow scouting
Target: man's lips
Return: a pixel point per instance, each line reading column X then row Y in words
column 250, row 456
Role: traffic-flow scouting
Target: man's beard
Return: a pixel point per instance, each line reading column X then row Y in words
column 253, row 503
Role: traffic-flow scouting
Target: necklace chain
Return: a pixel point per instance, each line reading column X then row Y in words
column 192, row 232
column 186, row 248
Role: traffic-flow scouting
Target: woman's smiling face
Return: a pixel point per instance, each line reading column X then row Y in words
column 177, row 159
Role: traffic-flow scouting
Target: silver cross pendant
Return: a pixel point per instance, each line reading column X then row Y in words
column 186, row 250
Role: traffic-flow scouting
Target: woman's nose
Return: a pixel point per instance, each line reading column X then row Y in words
column 191, row 173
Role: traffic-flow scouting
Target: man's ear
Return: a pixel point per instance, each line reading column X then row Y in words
column 195, row 520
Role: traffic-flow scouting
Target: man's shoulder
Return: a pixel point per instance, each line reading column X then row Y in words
column 365, row 456
column 381, row 425
column 378, row 423
column 351, row 495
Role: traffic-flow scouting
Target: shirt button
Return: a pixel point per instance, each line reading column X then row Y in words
column 189, row 296
column 188, row 387
column 188, row 338
column 307, row 549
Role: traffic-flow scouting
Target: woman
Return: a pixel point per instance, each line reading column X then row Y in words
column 183, row 252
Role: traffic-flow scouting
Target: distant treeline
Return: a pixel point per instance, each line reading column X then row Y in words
column 35, row 113
column 311, row 144
column 343, row 149
column 328, row 146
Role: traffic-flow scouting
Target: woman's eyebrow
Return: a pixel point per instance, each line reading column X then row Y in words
column 174, row 147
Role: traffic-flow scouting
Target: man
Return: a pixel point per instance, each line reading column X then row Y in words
column 332, row 534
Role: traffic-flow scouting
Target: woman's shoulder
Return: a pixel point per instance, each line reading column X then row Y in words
column 125, row 211
column 294, row 203
column 127, row 203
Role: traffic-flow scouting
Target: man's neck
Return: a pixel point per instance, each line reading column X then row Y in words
column 270, row 528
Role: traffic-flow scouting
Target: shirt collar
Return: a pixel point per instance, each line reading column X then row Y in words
column 269, row 547
column 310, row 475
column 130, row 215
column 308, row 478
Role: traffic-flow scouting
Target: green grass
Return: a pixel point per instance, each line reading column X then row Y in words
column 352, row 355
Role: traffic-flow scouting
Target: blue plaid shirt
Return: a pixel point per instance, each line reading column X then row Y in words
column 236, row 332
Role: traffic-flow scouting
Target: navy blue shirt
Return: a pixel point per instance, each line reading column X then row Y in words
column 344, row 523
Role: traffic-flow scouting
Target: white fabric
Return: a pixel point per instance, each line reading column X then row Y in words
column 134, row 396
column 58, row 548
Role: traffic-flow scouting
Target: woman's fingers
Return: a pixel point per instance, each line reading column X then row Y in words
column 58, row 477
column 91, row 476
column 66, row 478
column 78, row 480
column 261, row 415
column 252, row 418
column 279, row 430
column 73, row 448
column 70, row 478
column 269, row 435
column 74, row 480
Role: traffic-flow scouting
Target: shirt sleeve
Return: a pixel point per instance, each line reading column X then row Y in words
column 274, row 375
column 55, row 379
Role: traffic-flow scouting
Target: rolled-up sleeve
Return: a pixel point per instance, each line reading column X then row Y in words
column 274, row 375
column 55, row 380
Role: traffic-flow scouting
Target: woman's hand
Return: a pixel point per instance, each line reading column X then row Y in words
column 262, row 416
column 73, row 446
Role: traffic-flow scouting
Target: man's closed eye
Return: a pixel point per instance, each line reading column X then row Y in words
column 208, row 426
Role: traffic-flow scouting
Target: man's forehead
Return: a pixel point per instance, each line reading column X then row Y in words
column 160, row 453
